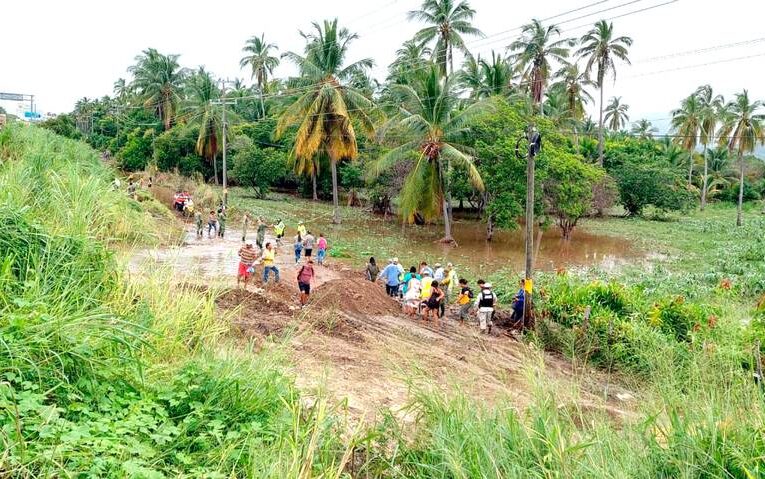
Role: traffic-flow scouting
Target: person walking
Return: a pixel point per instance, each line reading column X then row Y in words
column 245, row 224
column 464, row 300
column 390, row 275
column 372, row 270
column 247, row 257
column 269, row 258
column 413, row 287
column 298, row 247
column 438, row 273
column 485, row 303
column 424, row 267
column 212, row 224
column 434, row 301
column 450, row 281
column 199, row 224
column 222, row 223
column 279, row 228
column 321, row 244
column 308, row 243
column 304, row 277
column 260, row 235
column 301, row 230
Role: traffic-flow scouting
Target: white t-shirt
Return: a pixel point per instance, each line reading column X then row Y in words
column 439, row 275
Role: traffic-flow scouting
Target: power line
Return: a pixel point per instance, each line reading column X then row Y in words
column 699, row 65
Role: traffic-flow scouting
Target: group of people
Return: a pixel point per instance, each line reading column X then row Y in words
column 426, row 291
column 304, row 244
column 216, row 221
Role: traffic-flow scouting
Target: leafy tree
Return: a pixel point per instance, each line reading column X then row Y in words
column 533, row 52
column 641, row 185
column 122, row 91
column 568, row 189
column 171, row 146
column 644, row 129
column 572, row 84
column 486, row 78
column 258, row 57
column 742, row 130
column 448, row 22
column 158, row 82
column 204, row 115
column 259, row 168
column 326, row 111
column 600, row 47
column 616, row 114
column 432, row 128
column 135, row 155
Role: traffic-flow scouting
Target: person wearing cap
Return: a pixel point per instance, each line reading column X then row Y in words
column 485, row 303
column 391, row 276
column 438, row 273
column 247, row 257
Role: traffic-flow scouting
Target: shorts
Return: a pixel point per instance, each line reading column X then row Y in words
column 243, row 270
column 304, row 287
column 433, row 305
column 308, row 252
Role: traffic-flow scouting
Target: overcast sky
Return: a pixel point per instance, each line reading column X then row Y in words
column 62, row 51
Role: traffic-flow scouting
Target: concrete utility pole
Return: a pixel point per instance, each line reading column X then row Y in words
column 535, row 144
column 223, row 104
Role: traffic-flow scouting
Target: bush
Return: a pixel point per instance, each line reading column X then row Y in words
column 136, row 153
column 259, row 168
column 174, row 146
column 643, row 185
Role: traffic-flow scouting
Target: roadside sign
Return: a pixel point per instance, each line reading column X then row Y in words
column 31, row 114
column 12, row 96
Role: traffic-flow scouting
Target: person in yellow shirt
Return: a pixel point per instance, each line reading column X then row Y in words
column 465, row 299
column 301, row 230
column 269, row 264
column 426, row 287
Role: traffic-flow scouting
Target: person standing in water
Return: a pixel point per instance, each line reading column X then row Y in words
column 212, row 224
column 321, row 244
column 260, row 237
column 199, row 224
column 279, row 230
column 221, row 222
column 245, row 224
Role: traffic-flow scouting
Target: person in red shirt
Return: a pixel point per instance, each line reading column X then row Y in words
column 304, row 277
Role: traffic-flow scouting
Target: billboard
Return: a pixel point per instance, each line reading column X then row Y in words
column 12, row 96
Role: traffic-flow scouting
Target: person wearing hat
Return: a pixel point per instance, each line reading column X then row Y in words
column 391, row 276
column 438, row 274
column 247, row 257
column 485, row 303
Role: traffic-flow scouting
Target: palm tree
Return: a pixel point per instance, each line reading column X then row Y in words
column 644, row 129
column 742, row 130
column 686, row 123
column 616, row 114
column 121, row 90
column 710, row 108
column 325, row 110
column 202, row 91
column 600, row 47
column 158, row 81
column 485, row 78
column 573, row 83
column 533, row 52
column 448, row 21
column 258, row 58
column 672, row 153
column 411, row 56
column 433, row 128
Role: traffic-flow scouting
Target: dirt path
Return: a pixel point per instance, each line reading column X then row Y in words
column 353, row 341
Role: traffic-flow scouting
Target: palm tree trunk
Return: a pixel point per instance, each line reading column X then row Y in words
column 262, row 103
column 576, row 140
column 690, row 166
column 447, row 200
column 335, row 199
column 739, row 220
column 704, row 180
column 600, row 130
column 313, row 180
column 215, row 168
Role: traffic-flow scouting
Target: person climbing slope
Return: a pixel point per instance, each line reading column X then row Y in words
column 465, row 299
column 247, row 258
column 304, row 277
column 391, row 276
column 245, row 224
column 212, row 224
column 372, row 270
column 485, row 302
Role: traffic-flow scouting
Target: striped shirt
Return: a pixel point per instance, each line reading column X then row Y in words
column 248, row 255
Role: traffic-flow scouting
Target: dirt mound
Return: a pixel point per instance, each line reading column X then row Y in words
column 355, row 297
column 257, row 312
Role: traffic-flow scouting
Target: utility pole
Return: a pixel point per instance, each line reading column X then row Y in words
column 223, row 104
column 535, row 144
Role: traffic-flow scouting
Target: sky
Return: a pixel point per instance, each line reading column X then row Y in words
column 63, row 51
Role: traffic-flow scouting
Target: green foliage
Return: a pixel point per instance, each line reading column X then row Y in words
column 259, row 168
column 171, row 147
column 62, row 125
column 137, row 152
column 568, row 188
column 643, row 185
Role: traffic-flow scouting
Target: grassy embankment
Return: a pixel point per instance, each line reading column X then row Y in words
column 105, row 377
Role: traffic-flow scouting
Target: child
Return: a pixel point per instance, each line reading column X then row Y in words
column 464, row 299
column 322, row 245
column 298, row 248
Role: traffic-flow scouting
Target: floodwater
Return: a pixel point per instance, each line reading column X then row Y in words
column 374, row 236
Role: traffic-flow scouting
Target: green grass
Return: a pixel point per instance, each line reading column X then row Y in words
column 106, row 375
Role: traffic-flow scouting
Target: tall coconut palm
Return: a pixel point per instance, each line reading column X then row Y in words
column 533, row 52
column 742, row 130
column 121, row 90
column 158, row 81
column 600, row 47
column 411, row 56
column 644, row 129
column 710, row 108
column 324, row 112
column 258, row 57
column 574, row 83
column 202, row 91
column 448, row 22
column 432, row 131
column 616, row 114
column 686, row 123
column 486, row 78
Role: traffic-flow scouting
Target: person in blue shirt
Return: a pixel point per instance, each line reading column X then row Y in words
column 408, row 276
column 391, row 275
column 518, row 301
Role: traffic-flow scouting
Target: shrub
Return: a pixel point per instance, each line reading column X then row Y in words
column 643, row 185
column 259, row 168
column 136, row 153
